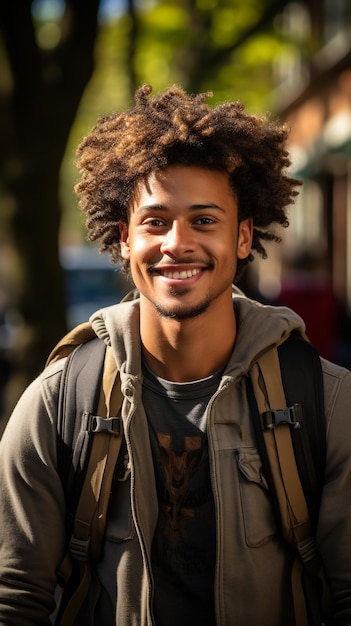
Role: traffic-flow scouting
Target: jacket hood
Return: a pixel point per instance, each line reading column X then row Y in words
column 259, row 327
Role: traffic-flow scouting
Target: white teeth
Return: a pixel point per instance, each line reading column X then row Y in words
column 181, row 275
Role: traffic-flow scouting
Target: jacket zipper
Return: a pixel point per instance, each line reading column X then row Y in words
column 138, row 527
column 215, row 491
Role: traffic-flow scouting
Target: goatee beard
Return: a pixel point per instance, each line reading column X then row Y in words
column 186, row 314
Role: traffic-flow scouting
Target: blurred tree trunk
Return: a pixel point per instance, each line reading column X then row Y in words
column 47, row 88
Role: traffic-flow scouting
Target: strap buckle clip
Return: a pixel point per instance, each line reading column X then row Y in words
column 291, row 415
column 98, row 424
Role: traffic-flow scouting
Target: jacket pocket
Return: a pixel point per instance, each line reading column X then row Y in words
column 258, row 516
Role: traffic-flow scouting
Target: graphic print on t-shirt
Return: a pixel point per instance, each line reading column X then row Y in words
column 184, row 543
column 177, row 469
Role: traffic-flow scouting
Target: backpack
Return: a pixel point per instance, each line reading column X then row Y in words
column 285, row 394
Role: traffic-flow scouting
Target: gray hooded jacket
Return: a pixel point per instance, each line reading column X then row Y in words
column 253, row 568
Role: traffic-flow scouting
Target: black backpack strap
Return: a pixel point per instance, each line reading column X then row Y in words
column 287, row 447
column 91, row 439
column 302, row 378
column 78, row 400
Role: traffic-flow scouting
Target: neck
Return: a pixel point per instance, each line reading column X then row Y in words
column 190, row 349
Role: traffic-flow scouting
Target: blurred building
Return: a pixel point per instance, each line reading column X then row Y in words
column 313, row 96
column 315, row 99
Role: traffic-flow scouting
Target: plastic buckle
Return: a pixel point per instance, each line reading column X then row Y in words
column 98, row 424
column 292, row 416
column 79, row 548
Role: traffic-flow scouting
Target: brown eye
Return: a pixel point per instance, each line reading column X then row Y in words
column 204, row 221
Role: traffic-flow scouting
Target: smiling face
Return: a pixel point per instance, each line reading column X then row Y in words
column 183, row 240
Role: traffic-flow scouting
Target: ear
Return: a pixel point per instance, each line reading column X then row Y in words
column 124, row 240
column 245, row 238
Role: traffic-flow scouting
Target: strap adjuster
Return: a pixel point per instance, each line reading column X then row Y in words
column 97, row 424
column 291, row 415
column 79, row 548
column 307, row 549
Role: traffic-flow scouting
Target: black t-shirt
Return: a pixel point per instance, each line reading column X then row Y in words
column 184, row 546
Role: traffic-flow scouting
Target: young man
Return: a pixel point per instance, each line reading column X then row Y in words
column 183, row 193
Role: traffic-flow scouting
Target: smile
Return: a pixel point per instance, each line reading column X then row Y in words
column 182, row 274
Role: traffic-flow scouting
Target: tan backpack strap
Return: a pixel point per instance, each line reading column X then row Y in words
column 80, row 334
column 269, row 393
column 110, row 403
column 91, row 514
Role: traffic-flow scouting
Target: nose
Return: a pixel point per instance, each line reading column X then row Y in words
column 178, row 240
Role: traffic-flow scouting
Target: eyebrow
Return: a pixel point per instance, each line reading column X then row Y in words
column 193, row 207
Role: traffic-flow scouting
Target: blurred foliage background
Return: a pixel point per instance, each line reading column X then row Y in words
column 64, row 63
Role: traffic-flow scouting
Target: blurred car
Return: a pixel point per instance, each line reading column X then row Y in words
column 91, row 282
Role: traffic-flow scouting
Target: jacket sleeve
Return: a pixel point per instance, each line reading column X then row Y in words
column 32, row 506
column 334, row 529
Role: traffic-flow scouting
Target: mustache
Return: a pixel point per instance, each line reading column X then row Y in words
column 158, row 265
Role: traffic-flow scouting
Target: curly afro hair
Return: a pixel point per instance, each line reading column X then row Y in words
column 174, row 127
